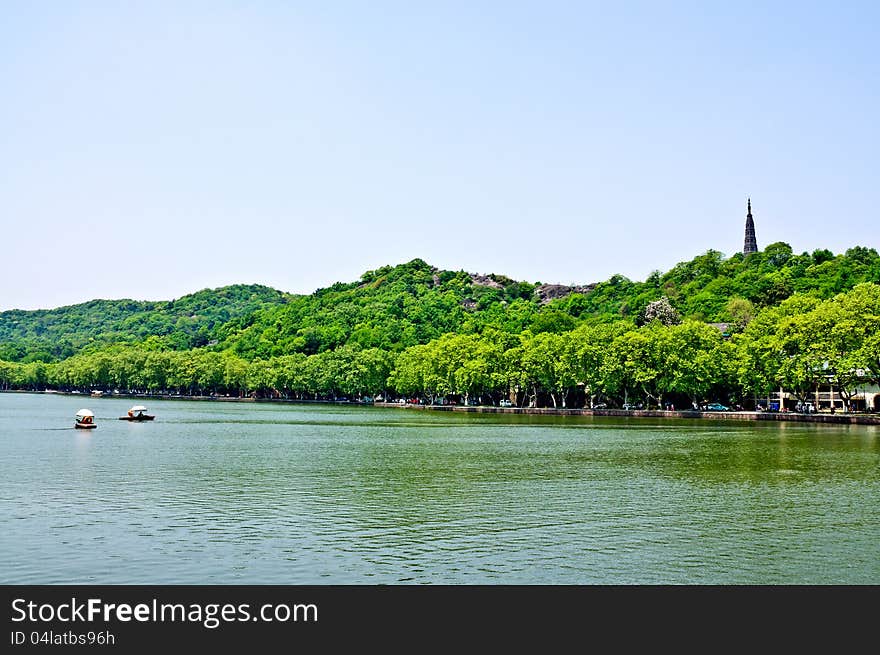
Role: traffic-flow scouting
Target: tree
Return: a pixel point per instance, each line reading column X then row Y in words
column 661, row 310
column 695, row 359
column 739, row 312
column 843, row 327
column 638, row 362
column 549, row 363
column 802, row 363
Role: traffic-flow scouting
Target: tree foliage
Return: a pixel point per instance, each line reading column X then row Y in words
column 796, row 321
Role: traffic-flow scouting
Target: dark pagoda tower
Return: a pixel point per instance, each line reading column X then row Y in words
column 750, row 245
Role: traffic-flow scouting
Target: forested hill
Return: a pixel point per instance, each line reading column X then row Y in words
column 393, row 308
column 390, row 308
column 711, row 287
column 187, row 322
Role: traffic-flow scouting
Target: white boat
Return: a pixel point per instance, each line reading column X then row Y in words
column 85, row 420
column 137, row 413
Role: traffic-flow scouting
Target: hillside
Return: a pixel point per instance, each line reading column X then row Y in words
column 704, row 287
column 396, row 307
column 393, row 308
column 389, row 308
column 792, row 321
column 187, row 322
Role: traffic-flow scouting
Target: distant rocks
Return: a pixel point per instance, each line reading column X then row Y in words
column 548, row 292
column 544, row 292
column 485, row 281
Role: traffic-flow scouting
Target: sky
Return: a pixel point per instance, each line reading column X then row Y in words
column 152, row 149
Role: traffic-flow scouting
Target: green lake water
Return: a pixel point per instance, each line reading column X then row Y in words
column 215, row 492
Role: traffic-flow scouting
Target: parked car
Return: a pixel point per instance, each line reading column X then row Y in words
column 717, row 407
column 505, row 403
column 600, row 406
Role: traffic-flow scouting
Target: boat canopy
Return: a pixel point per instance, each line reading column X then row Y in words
column 84, row 413
column 138, row 408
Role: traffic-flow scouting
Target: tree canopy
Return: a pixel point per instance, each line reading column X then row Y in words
column 780, row 319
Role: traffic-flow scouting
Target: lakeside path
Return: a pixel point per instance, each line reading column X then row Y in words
column 857, row 419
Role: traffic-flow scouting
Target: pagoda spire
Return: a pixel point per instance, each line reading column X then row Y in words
column 751, row 244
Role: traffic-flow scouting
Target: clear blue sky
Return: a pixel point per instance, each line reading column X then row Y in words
column 148, row 150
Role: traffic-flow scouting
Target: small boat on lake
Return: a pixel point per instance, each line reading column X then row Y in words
column 137, row 413
column 85, row 420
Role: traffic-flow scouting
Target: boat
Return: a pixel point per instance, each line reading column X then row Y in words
column 85, row 420
column 137, row 413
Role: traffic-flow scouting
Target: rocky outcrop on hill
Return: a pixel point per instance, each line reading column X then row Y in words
column 485, row 281
column 544, row 292
column 548, row 292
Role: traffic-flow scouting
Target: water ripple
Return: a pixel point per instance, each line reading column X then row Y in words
column 222, row 493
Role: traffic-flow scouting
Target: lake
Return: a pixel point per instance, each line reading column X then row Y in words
column 217, row 492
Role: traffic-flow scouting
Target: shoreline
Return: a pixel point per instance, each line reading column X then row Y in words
column 792, row 417
column 839, row 419
column 166, row 396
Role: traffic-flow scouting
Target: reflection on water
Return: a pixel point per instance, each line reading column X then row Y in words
column 245, row 493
